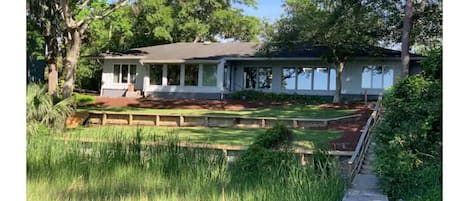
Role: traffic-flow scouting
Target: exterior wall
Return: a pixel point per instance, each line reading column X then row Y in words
column 107, row 82
column 351, row 77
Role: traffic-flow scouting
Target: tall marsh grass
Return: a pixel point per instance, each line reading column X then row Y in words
column 125, row 169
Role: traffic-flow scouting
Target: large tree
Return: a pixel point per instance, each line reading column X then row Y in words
column 416, row 24
column 43, row 16
column 340, row 27
column 77, row 16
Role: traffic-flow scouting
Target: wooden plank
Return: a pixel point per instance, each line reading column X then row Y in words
column 103, row 120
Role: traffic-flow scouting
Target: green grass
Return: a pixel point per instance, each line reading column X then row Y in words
column 128, row 170
column 306, row 139
column 83, row 99
column 289, row 111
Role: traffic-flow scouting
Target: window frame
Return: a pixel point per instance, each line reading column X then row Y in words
column 328, row 88
column 256, row 86
column 371, row 83
column 129, row 81
column 162, row 74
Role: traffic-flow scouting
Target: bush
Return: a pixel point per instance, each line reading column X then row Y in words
column 277, row 136
column 43, row 109
column 409, row 139
column 266, row 97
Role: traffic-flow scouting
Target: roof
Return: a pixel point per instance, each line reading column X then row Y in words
column 216, row 51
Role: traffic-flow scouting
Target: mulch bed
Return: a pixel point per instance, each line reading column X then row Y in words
column 351, row 129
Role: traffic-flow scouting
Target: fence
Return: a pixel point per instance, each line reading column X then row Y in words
column 355, row 162
column 185, row 120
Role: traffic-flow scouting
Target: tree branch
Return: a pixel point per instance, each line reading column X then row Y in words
column 83, row 4
column 67, row 16
column 106, row 12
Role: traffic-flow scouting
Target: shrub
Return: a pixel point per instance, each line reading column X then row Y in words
column 277, row 136
column 409, row 139
column 266, row 97
column 44, row 109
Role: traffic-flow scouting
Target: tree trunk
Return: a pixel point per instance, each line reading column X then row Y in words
column 338, row 83
column 70, row 63
column 405, row 57
column 52, row 53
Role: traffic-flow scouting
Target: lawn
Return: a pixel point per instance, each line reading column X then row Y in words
column 289, row 111
column 306, row 139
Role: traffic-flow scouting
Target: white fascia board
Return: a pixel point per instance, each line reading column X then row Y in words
column 180, row 61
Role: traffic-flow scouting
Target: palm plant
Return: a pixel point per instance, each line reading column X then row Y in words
column 43, row 109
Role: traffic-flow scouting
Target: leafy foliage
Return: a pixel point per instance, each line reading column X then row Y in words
column 277, row 136
column 273, row 97
column 43, row 110
column 409, row 138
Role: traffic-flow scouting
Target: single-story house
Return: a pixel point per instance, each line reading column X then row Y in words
column 214, row 70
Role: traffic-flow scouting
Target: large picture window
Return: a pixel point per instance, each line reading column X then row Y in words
column 209, row 75
column 250, row 77
column 288, row 78
column 377, row 77
column 124, row 73
column 191, row 76
column 174, row 74
column 320, row 79
column 258, row 77
column 156, row 74
column 265, row 78
column 305, row 77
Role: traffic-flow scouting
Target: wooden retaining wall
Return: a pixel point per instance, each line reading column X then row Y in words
column 185, row 120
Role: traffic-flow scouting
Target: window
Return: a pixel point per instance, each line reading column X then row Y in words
column 288, row 78
column 174, row 74
column 122, row 73
column 156, row 74
column 332, row 81
column 209, row 75
column 320, row 79
column 377, row 77
column 191, row 76
column 116, row 73
column 226, row 77
column 305, row 78
column 255, row 77
column 265, row 78
column 250, row 77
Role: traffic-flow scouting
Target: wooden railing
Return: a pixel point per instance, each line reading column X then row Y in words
column 355, row 162
column 186, row 120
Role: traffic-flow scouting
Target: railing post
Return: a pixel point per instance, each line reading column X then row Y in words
column 131, row 118
column 263, row 123
column 295, row 123
column 157, row 120
column 181, row 120
column 206, row 121
column 103, row 120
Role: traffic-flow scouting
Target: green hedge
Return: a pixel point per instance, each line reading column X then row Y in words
column 277, row 97
column 409, row 140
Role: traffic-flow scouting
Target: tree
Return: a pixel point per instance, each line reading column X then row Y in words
column 339, row 27
column 405, row 57
column 44, row 16
column 77, row 17
column 415, row 24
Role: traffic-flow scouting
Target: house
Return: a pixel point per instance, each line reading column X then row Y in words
column 214, row 70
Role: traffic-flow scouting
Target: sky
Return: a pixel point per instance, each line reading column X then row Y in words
column 269, row 9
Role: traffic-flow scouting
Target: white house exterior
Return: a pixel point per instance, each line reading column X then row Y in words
column 213, row 71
